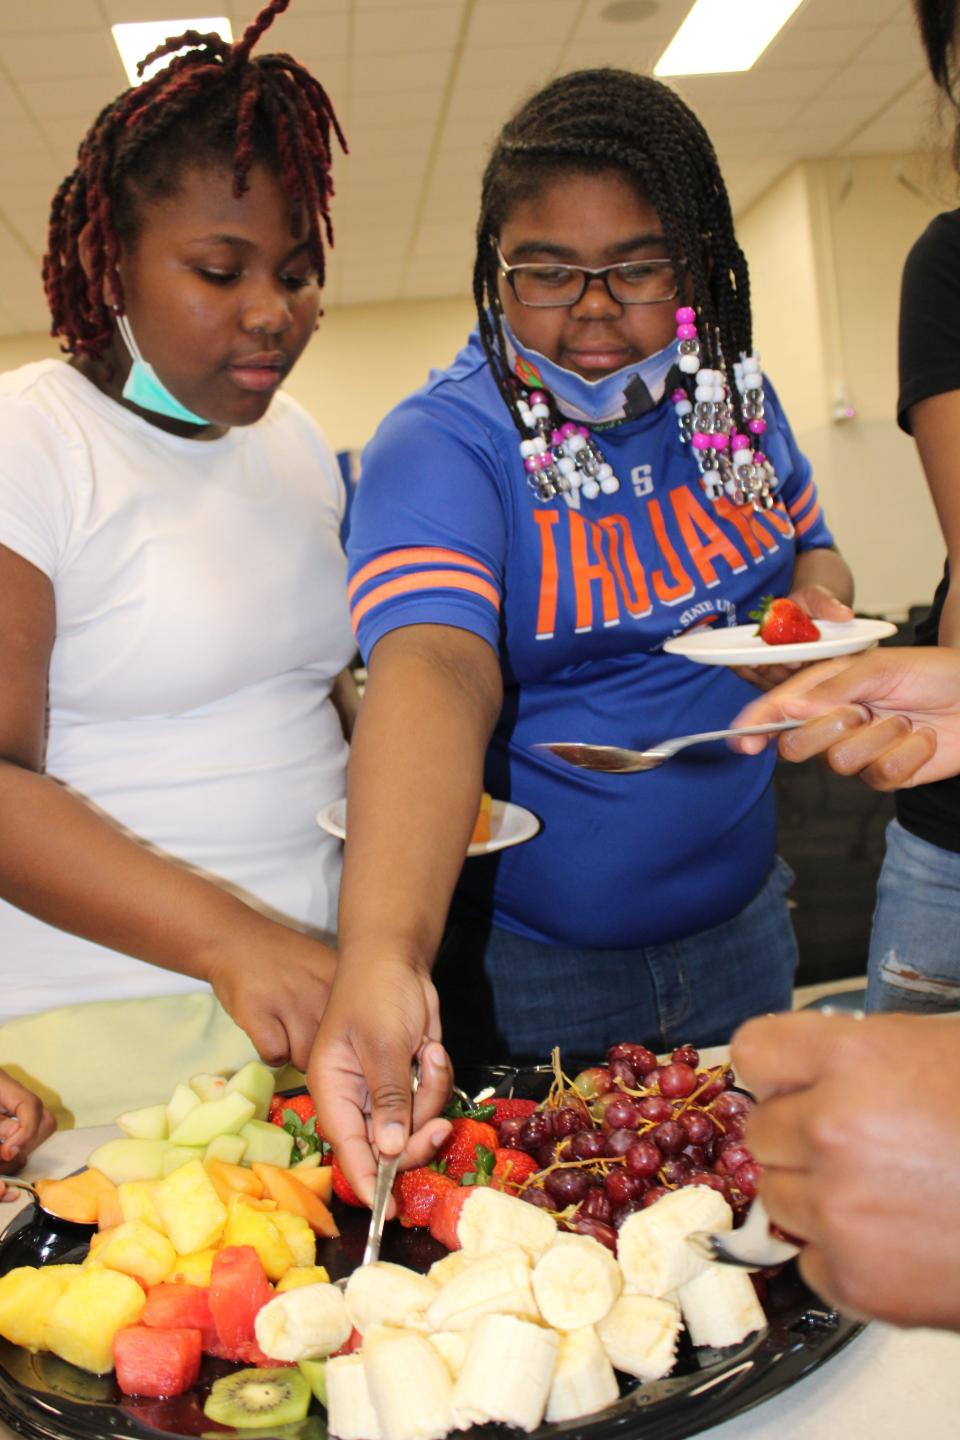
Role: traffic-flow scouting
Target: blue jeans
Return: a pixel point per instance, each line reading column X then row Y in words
column 915, row 944
column 506, row 998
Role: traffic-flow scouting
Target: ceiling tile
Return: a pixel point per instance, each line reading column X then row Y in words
column 798, row 46
column 638, row 55
column 56, row 99
column 413, row 107
column 764, row 82
column 93, row 53
column 831, row 15
column 661, row 25
column 881, row 82
column 495, row 23
column 382, row 74
column 894, row 43
column 320, row 36
column 398, row 30
column 49, row 17
column 910, row 122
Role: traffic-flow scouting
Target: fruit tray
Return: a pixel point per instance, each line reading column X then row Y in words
column 44, row 1398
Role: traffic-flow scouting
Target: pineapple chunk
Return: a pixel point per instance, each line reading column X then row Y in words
column 83, row 1322
column 136, row 1203
column 194, row 1269
column 136, row 1249
column 27, row 1297
column 299, row 1275
column 298, row 1235
column 247, row 1225
column 192, row 1212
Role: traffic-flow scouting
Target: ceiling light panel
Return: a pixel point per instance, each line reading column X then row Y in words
column 723, row 36
column 135, row 41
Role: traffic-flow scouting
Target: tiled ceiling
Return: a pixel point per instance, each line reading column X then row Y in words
column 421, row 87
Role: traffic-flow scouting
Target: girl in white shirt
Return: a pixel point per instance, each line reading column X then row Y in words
column 173, row 619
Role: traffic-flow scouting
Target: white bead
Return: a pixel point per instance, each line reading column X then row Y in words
column 575, row 443
column 539, row 444
column 540, row 411
column 703, row 393
column 591, row 489
column 753, row 381
column 610, row 484
column 604, row 470
column 575, row 478
column 527, row 448
column 566, row 465
column 683, row 407
column 689, row 364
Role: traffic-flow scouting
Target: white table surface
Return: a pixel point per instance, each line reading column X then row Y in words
column 886, row 1385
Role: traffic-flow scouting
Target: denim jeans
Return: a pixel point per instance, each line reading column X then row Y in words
column 507, row 998
column 915, row 944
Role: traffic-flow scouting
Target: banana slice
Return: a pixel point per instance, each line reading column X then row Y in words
column 583, row 1381
column 451, row 1345
column 350, row 1412
column 576, row 1282
column 720, row 1306
column 491, row 1220
column 640, row 1335
column 653, row 1250
column 450, row 1265
column 507, row 1373
column 387, row 1294
column 493, row 1284
column 308, row 1323
column 410, row 1385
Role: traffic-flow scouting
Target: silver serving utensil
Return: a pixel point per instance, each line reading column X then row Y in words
column 752, row 1246
column 616, row 760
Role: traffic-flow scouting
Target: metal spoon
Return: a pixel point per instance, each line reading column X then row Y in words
column 752, row 1246
column 616, row 760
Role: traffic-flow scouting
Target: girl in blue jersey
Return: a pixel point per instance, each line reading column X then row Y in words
column 602, row 467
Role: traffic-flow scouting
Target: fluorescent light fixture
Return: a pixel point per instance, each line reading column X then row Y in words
column 135, row 41
column 720, row 36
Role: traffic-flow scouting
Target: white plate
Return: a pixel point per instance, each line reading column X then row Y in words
column 741, row 645
column 509, row 825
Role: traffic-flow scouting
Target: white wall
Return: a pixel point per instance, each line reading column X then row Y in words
column 826, row 246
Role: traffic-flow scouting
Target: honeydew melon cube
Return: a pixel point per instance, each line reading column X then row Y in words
column 208, row 1087
column 254, row 1080
column 181, row 1102
column 267, row 1143
column 230, row 1148
column 150, row 1123
column 123, row 1160
column 212, row 1118
column 179, row 1155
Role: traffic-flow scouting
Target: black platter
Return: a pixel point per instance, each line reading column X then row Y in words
column 44, row 1398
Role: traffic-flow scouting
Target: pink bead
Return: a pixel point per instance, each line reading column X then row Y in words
column 721, row 441
column 740, row 442
column 686, row 315
column 531, row 463
column 700, row 441
column 537, row 397
column 556, row 437
column 677, row 395
column 582, row 430
column 568, row 429
column 759, row 458
column 757, row 427
column 686, row 332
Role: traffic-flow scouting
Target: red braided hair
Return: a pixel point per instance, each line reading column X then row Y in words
column 209, row 103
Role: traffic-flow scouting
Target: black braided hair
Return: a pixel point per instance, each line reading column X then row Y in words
column 591, row 121
column 211, row 105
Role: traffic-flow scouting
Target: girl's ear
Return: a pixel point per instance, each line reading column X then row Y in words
column 85, row 252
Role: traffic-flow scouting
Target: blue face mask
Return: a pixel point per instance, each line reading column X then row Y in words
column 145, row 389
column 623, row 395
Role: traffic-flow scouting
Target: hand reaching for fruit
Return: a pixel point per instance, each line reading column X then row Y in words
column 781, row 627
column 25, row 1123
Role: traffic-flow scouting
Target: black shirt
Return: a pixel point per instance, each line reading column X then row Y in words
column 930, row 365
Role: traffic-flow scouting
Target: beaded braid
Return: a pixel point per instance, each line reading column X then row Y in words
column 211, row 102
column 606, row 119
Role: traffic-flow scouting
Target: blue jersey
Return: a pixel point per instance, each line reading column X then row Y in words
column 577, row 602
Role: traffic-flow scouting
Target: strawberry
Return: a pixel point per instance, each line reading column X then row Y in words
column 445, row 1216
column 353, row 1342
column 782, row 622
column 509, row 1109
column 297, row 1114
column 459, row 1150
column 417, row 1191
column 501, row 1169
column 343, row 1189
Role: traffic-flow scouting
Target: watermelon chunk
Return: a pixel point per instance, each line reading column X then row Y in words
column 238, row 1288
column 180, row 1307
column 155, row 1362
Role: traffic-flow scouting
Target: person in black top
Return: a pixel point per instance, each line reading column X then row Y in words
column 914, row 955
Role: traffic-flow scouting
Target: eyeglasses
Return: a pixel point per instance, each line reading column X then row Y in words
column 631, row 282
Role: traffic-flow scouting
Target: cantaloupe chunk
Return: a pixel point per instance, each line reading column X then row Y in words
column 481, row 828
column 294, row 1197
column 318, row 1179
column 110, row 1212
column 230, row 1179
column 76, row 1197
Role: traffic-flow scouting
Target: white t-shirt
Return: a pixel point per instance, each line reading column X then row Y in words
column 201, row 621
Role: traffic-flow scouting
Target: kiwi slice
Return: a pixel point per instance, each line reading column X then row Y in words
column 249, row 1399
column 315, row 1373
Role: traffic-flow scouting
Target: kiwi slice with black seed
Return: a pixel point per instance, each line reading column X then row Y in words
column 249, row 1399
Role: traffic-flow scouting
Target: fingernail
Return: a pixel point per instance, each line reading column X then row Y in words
column 392, row 1138
column 438, row 1137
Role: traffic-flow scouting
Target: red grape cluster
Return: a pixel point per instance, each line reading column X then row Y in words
column 619, row 1136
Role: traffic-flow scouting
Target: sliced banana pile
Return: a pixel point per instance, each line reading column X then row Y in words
column 524, row 1323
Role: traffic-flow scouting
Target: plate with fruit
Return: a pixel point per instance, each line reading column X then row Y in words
column 784, row 635
column 499, row 824
column 538, row 1274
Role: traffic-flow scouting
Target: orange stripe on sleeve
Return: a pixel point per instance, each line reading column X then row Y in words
column 804, row 499
column 804, row 525
column 424, row 580
column 416, row 555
